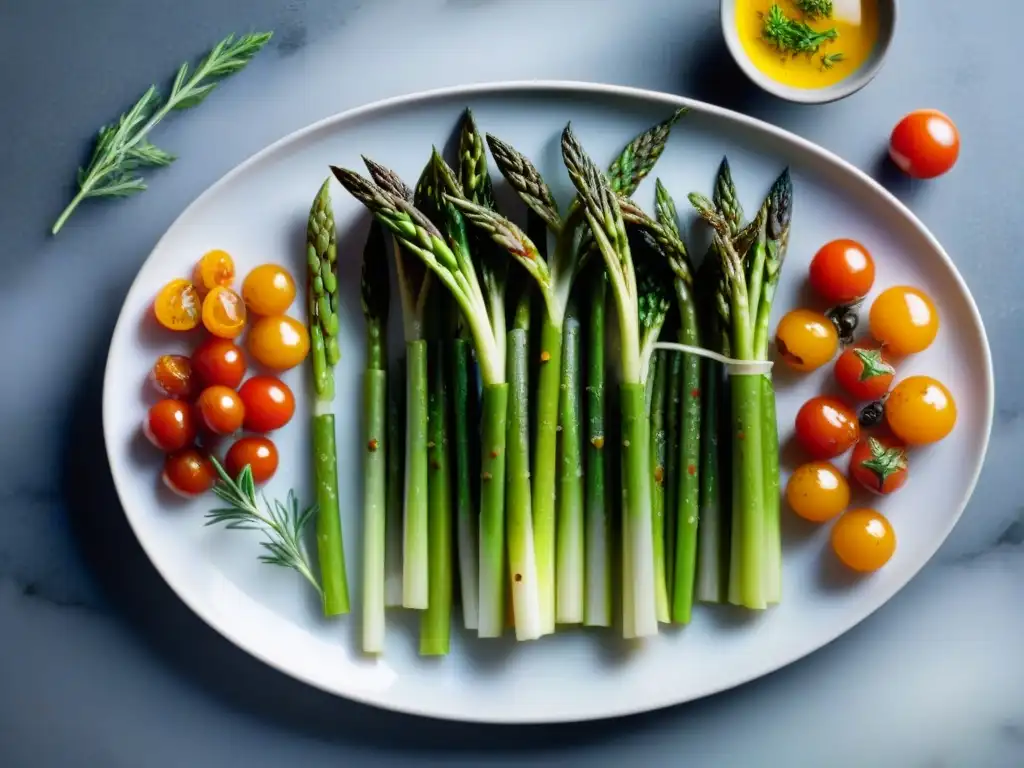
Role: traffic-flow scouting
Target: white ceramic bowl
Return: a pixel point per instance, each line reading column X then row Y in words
column 857, row 80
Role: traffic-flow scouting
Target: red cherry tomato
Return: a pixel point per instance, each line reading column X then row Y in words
column 269, row 403
column 221, row 409
column 925, row 144
column 864, row 372
column 842, row 271
column 259, row 453
column 170, row 425
column 189, row 472
column 218, row 361
column 879, row 464
column 172, row 376
column 826, row 427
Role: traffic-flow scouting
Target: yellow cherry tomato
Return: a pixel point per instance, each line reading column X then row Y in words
column 863, row 539
column 278, row 342
column 920, row 410
column 177, row 306
column 904, row 320
column 223, row 312
column 213, row 269
column 806, row 339
column 817, row 491
column 268, row 290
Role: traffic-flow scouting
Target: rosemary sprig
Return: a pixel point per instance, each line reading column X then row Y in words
column 815, row 9
column 122, row 148
column 792, row 36
column 282, row 523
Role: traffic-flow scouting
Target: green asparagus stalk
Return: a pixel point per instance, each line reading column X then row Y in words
column 673, row 431
column 395, row 459
column 598, row 549
column 435, row 622
column 322, row 308
column 570, row 542
column 604, row 217
column 658, row 388
column 465, row 506
column 414, row 284
column 375, row 300
column 452, row 267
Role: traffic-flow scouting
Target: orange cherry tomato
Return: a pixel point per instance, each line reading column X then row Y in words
column 259, row 453
column 920, row 410
column 268, row 290
column 842, row 271
column 863, row 539
column 269, row 403
column 826, row 427
column 879, row 464
column 213, row 269
column 218, row 361
column 189, row 472
column 904, row 319
column 864, row 372
column 223, row 312
column 170, row 425
column 172, row 376
column 925, row 144
column 817, row 491
column 278, row 342
column 806, row 339
column 177, row 306
column 221, row 409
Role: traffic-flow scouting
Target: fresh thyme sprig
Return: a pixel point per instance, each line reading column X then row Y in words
column 815, row 9
column 122, row 148
column 829, row 60
column 282, row 523
column 792, row 36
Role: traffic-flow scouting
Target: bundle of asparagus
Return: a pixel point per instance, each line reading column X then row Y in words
column 511, row 485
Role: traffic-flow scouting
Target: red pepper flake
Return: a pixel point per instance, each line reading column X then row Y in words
column 695, row 392
column 518, row 577
column 691, row 470
column 659, row 475
column 494, row 454
column 597, row 442
column 372, row 445
column 545, row 356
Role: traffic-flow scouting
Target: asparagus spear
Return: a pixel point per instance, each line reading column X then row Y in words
column 452, row 267
column 322, row 307
column 570, row 544
column 375, row 301
column 395, row 459
column 604, row 217
column 598, row 554
column 414, row 284
column 657, row 379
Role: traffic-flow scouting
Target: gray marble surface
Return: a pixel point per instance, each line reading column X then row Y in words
column 100, row 663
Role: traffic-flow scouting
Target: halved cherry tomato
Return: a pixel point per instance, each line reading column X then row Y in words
column 177, row 306
column 904, row 320
column 826, row 427
column 221, row 409
column 817, row 491
column 920, row 410
column 269, row 403
column 259, row 453
column 278, row 342
column 189, row 472
column 170, row 425
column 863, row 372
column 806, row 339
column 925, row 144
column 223, row 312
column 213, row 269
column 842, row 271
column 879, row 464
column 218, row 361
column 268, row 290
column 172, row 376
column 863, row 539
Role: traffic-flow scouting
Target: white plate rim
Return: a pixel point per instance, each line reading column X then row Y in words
column 573, row 87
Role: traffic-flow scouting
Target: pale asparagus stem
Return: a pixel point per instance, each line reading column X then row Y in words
column 605, row 218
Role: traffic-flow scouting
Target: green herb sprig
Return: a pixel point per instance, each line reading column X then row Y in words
column 282, row 523
column 815, row 9
column 122, row 148
column 829, row 60
column 792, row 36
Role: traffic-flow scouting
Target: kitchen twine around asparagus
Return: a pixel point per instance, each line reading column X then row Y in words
column 733, row 367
